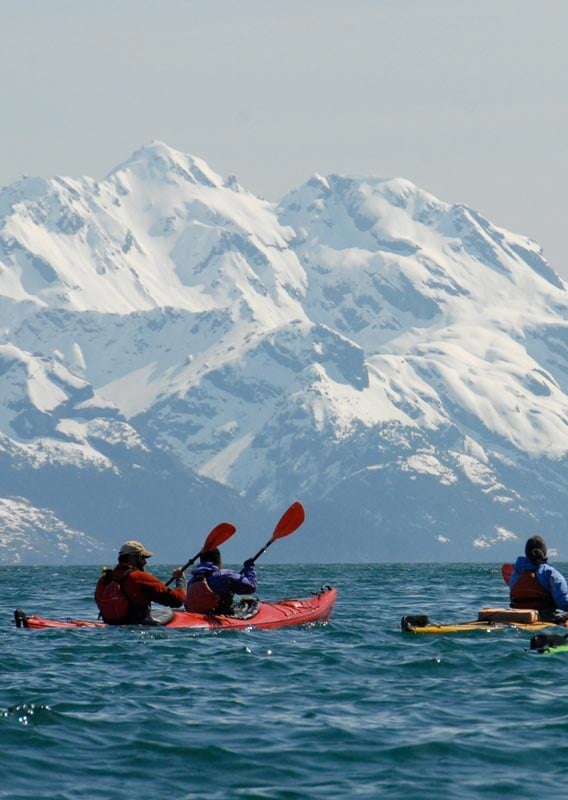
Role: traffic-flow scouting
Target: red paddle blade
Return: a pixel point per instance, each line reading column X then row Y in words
column 219, row 534
column 506, row 571
column 289, row 522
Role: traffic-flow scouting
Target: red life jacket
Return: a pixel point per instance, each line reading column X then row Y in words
column 200, row 598
column 529, row 593
column 113, row 604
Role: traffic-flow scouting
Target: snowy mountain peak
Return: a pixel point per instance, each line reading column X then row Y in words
column 160, row 163
column 414, row 243
column 163, row 231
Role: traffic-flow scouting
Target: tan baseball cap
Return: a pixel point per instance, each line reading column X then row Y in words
column 134, row 548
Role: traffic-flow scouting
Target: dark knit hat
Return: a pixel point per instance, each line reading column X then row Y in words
column 213, row 556
column 535, row 550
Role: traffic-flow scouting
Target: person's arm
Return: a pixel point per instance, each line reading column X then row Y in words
column 226, row 580
column 556, row 584
column 156, row 591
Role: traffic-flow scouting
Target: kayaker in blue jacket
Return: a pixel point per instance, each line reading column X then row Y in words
column 534, row 583
column 211, row 587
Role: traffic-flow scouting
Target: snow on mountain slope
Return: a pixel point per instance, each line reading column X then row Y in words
column 398, row 363
column 31, row 535
column 442, row 293
column 41, row 401
column 123, row 245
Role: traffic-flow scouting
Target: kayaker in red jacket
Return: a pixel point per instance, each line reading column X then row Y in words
column 124, row 594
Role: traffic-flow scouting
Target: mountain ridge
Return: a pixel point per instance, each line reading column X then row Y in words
column 357, row 335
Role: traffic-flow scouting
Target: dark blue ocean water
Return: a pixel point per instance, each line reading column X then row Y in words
column 352, row 709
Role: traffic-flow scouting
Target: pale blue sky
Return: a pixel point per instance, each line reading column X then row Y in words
column 467, row 98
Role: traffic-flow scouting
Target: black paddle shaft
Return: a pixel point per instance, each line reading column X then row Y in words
column 260, row 552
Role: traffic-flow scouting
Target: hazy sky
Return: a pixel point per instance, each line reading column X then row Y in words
column 466, row 98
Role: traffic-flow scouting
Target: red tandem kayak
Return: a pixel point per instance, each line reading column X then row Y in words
column 280, row 614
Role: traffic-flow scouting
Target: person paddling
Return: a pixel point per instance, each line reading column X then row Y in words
column 124, row 594
column 535, row 584
column 211, row 588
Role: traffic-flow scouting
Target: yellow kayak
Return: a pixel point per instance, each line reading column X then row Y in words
column 488, row 620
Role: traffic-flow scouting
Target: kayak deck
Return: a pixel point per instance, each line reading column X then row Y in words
column 280, row 614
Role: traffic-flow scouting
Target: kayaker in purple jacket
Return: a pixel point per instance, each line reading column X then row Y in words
column 534, row 583
column 211, row 587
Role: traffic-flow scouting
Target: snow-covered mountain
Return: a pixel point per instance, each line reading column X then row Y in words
column 175, row 351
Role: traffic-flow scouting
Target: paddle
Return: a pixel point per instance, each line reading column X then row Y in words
column 506, row 571
column 289, row 522
column 219, row 534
